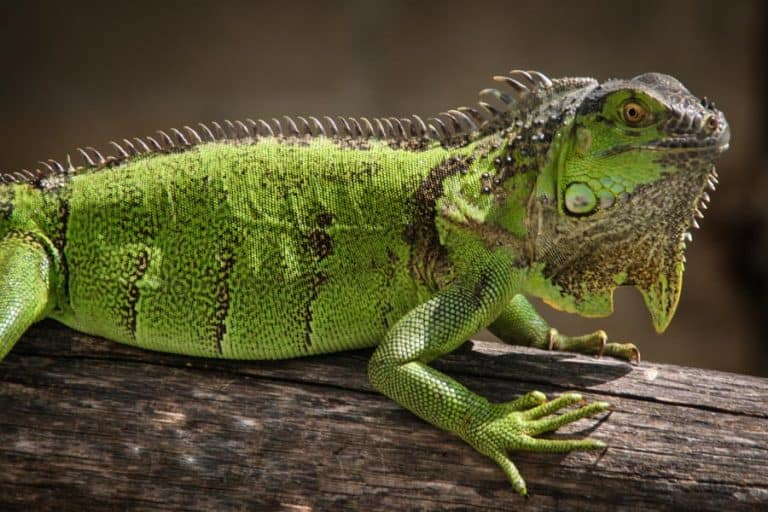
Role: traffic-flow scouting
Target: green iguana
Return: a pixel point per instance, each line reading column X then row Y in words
column 301, row 236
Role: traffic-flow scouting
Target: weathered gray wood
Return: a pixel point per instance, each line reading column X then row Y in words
column 92, row 425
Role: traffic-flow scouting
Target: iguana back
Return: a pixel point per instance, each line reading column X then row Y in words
column 267, row 250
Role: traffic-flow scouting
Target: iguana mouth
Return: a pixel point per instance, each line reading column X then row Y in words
column 715, row 145
column 711, row 147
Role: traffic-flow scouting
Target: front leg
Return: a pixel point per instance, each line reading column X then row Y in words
column 399, row 369
column 520, row 324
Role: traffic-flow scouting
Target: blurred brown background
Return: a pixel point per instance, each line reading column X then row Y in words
column 82, row 73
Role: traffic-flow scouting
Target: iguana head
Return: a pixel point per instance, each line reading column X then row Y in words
column 623, row 188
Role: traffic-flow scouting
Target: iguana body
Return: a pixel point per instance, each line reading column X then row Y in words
column 284, row 240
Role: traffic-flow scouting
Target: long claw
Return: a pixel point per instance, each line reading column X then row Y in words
column 547, row 425
column 525, row 402
column 627, row 351
column 595, row 344
column 513, row 474
column 547, row 408
column 562, row 445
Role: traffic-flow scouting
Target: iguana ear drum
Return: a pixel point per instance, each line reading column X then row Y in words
column 580, row 199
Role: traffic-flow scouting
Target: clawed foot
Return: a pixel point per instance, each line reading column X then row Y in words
column 512, row 425
column 592, row 344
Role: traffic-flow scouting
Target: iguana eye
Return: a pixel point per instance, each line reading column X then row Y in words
column 580, row 199
column 633, row 112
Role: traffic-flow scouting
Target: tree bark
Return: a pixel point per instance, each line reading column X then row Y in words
column 87, row 424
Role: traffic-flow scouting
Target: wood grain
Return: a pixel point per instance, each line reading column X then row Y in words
column 86, row 424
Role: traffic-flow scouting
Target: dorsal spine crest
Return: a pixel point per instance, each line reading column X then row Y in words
column 497, row 110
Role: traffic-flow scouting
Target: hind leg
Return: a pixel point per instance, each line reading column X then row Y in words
column 520, row 324
column 25, row 276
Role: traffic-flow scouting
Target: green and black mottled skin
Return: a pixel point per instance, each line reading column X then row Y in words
column 303, row 243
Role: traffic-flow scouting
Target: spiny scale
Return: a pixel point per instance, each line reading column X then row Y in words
column 449, row 128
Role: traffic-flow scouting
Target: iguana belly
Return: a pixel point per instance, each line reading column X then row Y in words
column 245, row 303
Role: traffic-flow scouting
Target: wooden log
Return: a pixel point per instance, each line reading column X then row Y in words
column 87, row 424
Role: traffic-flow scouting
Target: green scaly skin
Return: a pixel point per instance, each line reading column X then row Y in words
column 280, row 245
